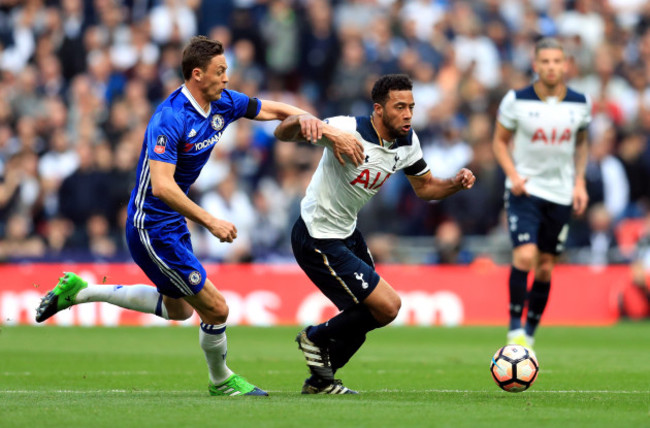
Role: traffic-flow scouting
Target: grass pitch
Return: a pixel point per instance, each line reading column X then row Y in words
column 408, row 377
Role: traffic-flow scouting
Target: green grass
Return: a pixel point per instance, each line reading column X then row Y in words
column 145, row 377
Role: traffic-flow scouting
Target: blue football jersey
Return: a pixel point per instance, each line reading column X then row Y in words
column 182, row 133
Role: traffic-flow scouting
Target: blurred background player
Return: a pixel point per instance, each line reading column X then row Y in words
column 545, row 178
column 326, row 243
column 177, row 144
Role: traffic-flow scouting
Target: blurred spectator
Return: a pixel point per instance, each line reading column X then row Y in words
column 71, row 49
column 319, row 49
column 20, row 241
column 447, row 153
column 449, row 245
column 21, row 189
column 79, row 75
column 57, row 232
column 269, row 233
column 476, row 54
column 100, row 241
column 172, row 21
column 54, row 166
column 584, row 22
column 611, row 93
column 17, row 43
column 600, row 249
column 26, row 100
column 84, row 193
column 382, row 248
column 127, row 53
column 229, row 203
column 637, row 169
column 606, row 179
column 280, row 31
column 348, row 89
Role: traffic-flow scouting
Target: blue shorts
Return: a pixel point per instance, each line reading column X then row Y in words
column 343, row 269
column 165, row 255
column 533, row 220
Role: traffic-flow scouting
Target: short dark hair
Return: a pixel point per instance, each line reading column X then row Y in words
column 198, row 53
column 387, row 83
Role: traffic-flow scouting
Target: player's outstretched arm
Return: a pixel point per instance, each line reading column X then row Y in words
column 305, row 127
column 164, row 187
column 431, row 188
column 275, row 110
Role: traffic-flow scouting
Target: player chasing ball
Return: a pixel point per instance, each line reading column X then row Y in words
column 326, row 243
column 177, row 144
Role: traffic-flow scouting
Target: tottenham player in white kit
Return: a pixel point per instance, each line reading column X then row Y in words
column 326, row 243
column 545, row 179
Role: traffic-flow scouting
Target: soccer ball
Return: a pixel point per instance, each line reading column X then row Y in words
column 514, row 368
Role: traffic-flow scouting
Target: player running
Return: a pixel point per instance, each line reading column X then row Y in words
column 545, row 179
column 177, row 144
column 326, row 243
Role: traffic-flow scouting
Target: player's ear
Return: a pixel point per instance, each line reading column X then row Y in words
column 197, row 73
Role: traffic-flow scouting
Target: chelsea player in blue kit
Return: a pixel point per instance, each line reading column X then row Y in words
column 177, row 144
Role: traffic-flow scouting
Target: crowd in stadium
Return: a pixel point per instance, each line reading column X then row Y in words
column 81, row 78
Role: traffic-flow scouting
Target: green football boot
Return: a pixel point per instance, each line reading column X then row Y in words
column 235, row 385
column 61, row 297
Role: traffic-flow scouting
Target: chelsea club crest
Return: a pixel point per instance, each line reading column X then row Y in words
column 195, row 277
column 217, row 122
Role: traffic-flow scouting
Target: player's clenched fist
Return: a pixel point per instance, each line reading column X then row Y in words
column 465, row 178
column 224, row 230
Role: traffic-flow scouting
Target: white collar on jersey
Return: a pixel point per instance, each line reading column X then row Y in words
column 196, row 105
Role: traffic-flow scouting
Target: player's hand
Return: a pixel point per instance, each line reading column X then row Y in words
column 344, row 143
column 580, row 199
column 311, row 128
column 519, row 186
column 465, row 178
column 224, row 230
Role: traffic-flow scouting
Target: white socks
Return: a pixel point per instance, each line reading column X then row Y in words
column 215, row 346
column 138, row 297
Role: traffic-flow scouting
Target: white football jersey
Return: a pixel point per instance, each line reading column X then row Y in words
column 545, row 139
column 336, row 193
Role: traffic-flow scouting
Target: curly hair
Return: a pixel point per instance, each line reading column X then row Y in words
column 387, row 83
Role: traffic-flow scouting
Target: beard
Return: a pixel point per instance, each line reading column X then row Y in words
column 393, row 132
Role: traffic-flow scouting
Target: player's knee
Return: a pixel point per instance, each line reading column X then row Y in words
column 217, row 312
column 524, row 262
column 388, row 310
column 524, row 257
